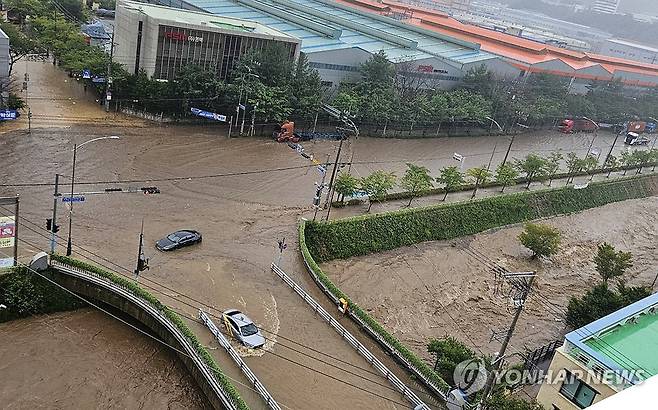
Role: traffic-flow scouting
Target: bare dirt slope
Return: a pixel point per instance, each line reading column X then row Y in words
column 414, row 291
column 86, row 359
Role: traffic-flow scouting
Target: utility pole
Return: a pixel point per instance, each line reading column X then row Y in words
column 54, row 227
column 69, row 247
column 509, row 148
column 333, row 176
column 142, row 262
column 318, row 190
column 526, row 279
column 108, row 77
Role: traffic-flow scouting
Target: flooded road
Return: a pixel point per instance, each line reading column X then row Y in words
column 243, row 195
column 85, row 359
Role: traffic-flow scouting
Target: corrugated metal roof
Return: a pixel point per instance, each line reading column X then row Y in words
column 351, row 36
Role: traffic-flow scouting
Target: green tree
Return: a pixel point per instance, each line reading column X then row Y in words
column 480, row 80
column 416, row 180
column 532, row 166
column 346, row 185
column 553, row 166
column 21, row 9
column 506, row 175
column 73, row 9
column 480, row 175
column 574, row 165
column 542, row 240
column 600, row 301
column 590, row 164
column 611, row 164
column 270, row 103
column 626, row 160
column 376, row 185
column 306, row 89
column 641, row 158
column 348, row 101
column 451, row 178
column 610, row 263
column 449, row 352
column 20, row 44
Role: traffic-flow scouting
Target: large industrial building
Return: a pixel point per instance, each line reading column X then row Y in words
column 162, row 40
column 338, row 38
column 526, row 55
column 627, row 49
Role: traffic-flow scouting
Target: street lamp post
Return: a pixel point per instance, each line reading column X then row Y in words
column 75, row 151
column 596, row 131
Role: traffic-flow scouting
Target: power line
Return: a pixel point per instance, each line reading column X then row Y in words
column 210, row 314
column 549, row 305
column 182, row 178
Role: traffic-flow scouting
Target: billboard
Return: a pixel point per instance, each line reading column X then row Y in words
column 7, row 240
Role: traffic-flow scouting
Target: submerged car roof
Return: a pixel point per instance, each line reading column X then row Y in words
column 239, row 317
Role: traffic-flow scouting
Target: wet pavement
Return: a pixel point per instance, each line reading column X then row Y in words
column 242, row 205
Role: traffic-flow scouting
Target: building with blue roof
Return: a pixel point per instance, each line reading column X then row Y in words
column 337, row 39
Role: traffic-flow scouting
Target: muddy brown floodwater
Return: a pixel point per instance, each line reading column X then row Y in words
column 242, row 207
column 86, row 359
column 409, row 289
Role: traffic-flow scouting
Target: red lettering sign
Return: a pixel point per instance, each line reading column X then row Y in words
column 174, row 35
column 425, row 68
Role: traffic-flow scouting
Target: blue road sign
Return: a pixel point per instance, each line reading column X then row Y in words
column 86, row 74
column 73, row 199
column 207, row 114
column 98, row 80
column 8, row 115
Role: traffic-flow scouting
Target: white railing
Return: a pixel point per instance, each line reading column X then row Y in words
column 358, row 346
column 189, row 350
column 439, row 391
column 223, row 341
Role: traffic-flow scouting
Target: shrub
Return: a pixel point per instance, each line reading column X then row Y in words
column 542, row 240
column 449, row 353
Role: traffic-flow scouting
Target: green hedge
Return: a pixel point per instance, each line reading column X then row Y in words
column 417, row 362
column 210, row 362
column 26, row 293
column 366, row 234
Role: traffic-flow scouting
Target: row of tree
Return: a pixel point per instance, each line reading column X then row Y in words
column 266, row 80
column 417, row 179
column 392, row 92
column 277, row 88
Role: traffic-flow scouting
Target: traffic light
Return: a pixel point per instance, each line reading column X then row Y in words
column 50, row 227
column 150, row 190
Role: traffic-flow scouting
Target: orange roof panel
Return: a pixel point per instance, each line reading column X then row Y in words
column 522, row 52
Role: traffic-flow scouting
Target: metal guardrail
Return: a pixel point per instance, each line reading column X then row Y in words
column 103, row 282
column 358, row 346
column 440, row 392
column 223, row 341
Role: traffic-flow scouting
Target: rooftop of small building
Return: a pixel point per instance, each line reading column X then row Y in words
column 623, row 340
column 197, row 18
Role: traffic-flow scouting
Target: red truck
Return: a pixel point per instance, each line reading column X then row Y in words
column 636, row 126
column 577, row 125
